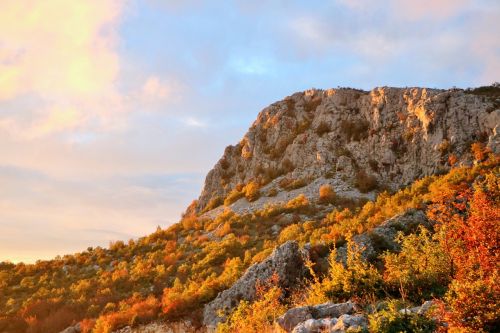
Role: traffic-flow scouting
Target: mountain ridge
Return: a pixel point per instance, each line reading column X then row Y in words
column 395, row 135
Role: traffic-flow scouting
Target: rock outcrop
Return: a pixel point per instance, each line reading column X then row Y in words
column 356, row 139
column 334, row 318
column 286, row 262
column 327, row 317
column 302, row 314
column 383, row 237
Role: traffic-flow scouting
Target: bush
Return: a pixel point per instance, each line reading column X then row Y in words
column 479, row 151
column 292, row 184
column 391, row 320
column 213, row 203
column 291, row 232
column 421, row 270
column 252, row 191
column 258, row 316
column 357, row 279
column 355, row 130
column 322, row 128
column 365, row 182
column 326, row 194
column 299, row 203
column 233, row 196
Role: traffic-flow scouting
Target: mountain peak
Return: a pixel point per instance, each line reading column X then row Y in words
column 351, row 140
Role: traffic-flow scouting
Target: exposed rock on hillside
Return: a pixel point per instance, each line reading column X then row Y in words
column 286, row 261
column 383, row 237
column 355, row 139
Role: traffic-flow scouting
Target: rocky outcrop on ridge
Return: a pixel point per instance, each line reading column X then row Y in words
column 389, row 136
column 286, row 262
column 383, row 237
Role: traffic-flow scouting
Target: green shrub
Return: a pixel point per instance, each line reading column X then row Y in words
column 421, row 270
column 390, row 320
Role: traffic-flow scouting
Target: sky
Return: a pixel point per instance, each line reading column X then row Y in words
column 112, row 112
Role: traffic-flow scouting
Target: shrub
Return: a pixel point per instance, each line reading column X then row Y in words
column 390, row 320
column 213, row 203
column 452, row 160
column 272, row 192
column 132, row 312
column 312, row 104
column 326, row 194
column 373, row 165
column 322, row 128
column 258, row 316
column 421, row 270
column 291, row 232
column 365, row 182
column 444, row 147
column 357, row 278
column 252, row 191
column 287, row 165
column 233, row 196
column 355, row 130
column 479, row 151
column 299, row 203
column 471, row 236
column 292, row 184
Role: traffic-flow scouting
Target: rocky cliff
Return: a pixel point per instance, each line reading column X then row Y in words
column 355, row 140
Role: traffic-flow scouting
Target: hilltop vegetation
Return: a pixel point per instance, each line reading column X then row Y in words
column 172, row 273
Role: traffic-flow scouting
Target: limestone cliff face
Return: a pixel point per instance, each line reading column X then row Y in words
column 394, row 135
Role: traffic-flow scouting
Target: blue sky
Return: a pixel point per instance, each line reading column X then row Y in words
column 112, row 112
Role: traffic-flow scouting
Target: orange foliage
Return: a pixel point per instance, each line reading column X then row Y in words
column 472, row 236
column 133, row 312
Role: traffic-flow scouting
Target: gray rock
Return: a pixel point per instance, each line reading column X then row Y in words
column 294, row 316
column 421, row 310
column 315, row 325
column 286, row 261
column 332, row 310
column 346, row 321
column 72, row 329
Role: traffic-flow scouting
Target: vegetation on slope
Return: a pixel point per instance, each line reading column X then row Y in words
column 171, row 273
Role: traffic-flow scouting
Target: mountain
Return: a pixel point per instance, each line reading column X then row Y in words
column 339, row 208
column 354, row 140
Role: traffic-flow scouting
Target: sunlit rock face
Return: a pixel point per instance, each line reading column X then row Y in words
column 390, row 135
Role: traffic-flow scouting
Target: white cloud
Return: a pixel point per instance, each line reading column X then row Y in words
column 194, row 122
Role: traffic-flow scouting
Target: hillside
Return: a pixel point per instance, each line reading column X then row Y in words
column 317, row 190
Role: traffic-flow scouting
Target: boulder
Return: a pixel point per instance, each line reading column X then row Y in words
column 286, row 261
column 72, row 329
column 347, row 321
column 293, row 317
column 315, row 325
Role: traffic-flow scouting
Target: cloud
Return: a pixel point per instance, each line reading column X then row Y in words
column 156, row 89
column 412, row 10
column 62, row 53
column 194, row 122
